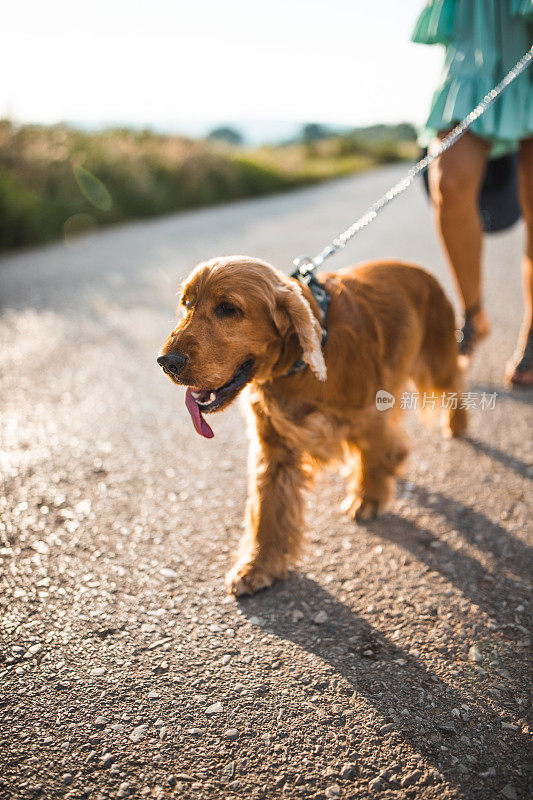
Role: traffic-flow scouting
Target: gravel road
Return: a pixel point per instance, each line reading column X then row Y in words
column 394, row 663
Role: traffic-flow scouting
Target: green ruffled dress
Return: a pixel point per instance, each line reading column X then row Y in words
column 483, row 40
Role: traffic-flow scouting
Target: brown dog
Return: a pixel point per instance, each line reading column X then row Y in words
column 246, row 323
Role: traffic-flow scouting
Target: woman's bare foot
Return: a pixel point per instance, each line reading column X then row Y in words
column 476, row 327
column 519, row 371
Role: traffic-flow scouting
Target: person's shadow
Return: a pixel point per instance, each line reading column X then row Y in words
column 495, row 590
column 425, row 710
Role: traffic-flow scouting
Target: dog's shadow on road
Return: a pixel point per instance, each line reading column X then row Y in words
column 447, row 709
column 424, row 709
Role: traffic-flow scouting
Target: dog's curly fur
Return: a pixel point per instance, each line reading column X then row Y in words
column 388, row 323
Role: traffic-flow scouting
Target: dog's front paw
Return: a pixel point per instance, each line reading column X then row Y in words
column 362, row 508
column 249, row 578
column 455, row 423
column 367, row 509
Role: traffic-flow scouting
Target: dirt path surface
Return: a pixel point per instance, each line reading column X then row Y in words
column 394, row 663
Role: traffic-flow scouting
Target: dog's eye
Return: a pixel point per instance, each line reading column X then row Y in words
column 188, row 302
column 227, row 310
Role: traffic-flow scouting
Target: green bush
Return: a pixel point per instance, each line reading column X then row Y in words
column 386, row 152
column 351, row 145
column 256, row 179
column 56, row 180
column 21, row 214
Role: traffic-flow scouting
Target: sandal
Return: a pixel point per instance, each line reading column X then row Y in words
column 469, row 336
column 521, row 374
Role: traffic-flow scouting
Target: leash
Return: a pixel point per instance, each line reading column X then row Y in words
column 305, row 266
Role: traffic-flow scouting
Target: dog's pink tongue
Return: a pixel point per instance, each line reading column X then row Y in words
column 198, row 421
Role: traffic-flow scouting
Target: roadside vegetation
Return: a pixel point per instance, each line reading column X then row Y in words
column 58, row 181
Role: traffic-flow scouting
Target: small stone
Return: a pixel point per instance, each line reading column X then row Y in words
column 216, row 708
column 509, row 792
column 256, row 621
column 100, row 722
column 168, row 572
column 376, row 785
column 161, row 643
column 297, row 615
column 331, row 773
column 67, row 778
column 138, row 733
column 333, row 791
column 123, row 789
column 231, row 733
column 434, row 776
column 161, row 668
column 386, row 728
column 412, row 777
column 348, row 771
column 153, row 696
column 228, row 771
column 195, row 731
column 97, row 672
column 448, row 728
column 35, row 648
column 386, row 774
column 474, row 654
column 489, row 773
column 90, row 757
column 171, row 780
column 320, row 618
column 107, row 759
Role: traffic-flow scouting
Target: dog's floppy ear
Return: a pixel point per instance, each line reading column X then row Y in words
column 291, row 303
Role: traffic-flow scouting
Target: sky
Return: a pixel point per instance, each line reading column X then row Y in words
column 186, row 63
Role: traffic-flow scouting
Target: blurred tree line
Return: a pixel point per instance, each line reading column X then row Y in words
column 58, row 181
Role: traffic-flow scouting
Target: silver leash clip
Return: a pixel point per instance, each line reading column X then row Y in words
column 303, row 265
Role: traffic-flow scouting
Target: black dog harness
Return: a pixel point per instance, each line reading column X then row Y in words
column 322, row 298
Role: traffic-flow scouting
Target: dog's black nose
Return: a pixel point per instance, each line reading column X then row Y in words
column 172, row 363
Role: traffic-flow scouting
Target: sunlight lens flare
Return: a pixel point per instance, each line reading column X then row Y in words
column 92, row 188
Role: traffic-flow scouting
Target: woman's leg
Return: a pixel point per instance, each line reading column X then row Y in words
column 520, row 369
column 455, row 180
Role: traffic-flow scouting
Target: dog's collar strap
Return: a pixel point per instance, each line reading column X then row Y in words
column 322, row 300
